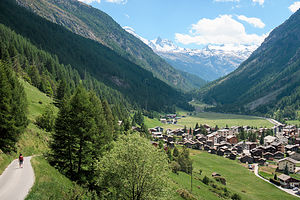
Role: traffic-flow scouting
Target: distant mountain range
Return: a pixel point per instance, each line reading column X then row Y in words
column 94, row 24
column 209, row 63
column 268, row 81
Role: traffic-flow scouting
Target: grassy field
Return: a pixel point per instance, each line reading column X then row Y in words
column 50, row 184
column 238, row 178
column 212, row 119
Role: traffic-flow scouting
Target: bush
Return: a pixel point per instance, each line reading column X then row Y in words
column 205, row 180
column 221, row 180
column 175, row 167
column 235, row 196
column 185, row 194
column 46, row 121
column 276, row 182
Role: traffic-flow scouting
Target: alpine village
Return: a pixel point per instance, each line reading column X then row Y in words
column 89, row 109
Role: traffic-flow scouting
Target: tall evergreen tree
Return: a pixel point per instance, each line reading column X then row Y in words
column 13, row 106
column 81, row 135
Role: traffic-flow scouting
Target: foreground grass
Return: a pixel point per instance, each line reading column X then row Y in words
column 239, row 179
column 50, row 184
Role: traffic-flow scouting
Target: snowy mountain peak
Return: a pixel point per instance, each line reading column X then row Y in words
column 209, row 63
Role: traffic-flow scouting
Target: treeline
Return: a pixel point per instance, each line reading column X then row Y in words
column 44, row 71
column 89, row 57
column 13, row 108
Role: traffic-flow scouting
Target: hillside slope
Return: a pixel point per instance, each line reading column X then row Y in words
column 268, row 80
column 89, row 57
column 94, row 24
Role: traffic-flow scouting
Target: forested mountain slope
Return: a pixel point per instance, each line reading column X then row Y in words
column 92, row 23
column 88, row 57
column 269, row 81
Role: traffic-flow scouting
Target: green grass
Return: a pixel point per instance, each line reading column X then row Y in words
column 200, row 190
column 50, row 184
column 266, row 175
column 239, row 179
column 151, row 123
column 296, row 176
column 212, row 119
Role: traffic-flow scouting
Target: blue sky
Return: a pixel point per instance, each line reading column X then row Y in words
column 196, row 23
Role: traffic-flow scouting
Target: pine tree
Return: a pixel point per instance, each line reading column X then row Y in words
column 261, row 141
column 62, row 90
column 175, row 152
column 81, row 135
column 13, row 107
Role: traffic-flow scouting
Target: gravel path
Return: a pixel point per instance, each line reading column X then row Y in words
column 15, row 182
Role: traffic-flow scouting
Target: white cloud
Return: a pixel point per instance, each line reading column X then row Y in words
column 295, row 6
column 117, row 1
column 221, row 30
column 256, row 22
column 261, row 2
column 90, row 1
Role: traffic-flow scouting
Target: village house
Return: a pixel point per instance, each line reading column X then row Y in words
column 278, row 129
column 250, row 145
column 288, row 182
column 211, row 137
column 232, row 139
column 289, row 130
column 293, row 148
column 236, row 129
column 289, row 162
column 270, row 149
column 219, row 139
column 278, row 155
column 279, row 146
column 268, row 156
column 232, row 156
column 268, row 140
column 157, row 135
column 225, row 133
column 295, row 156
column 256, row 152
column 247, row 159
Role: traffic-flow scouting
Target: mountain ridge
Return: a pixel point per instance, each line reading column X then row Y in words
column 268, row 81
column 94, row 24
column 209, row 63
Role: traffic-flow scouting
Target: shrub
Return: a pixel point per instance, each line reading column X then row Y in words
column 185, row 194
column 276, row 182
column 221, row 180
column 175, row 167
column 205, row 180
column 235, row 196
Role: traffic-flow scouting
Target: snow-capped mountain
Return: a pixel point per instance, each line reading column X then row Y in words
column 209, row 63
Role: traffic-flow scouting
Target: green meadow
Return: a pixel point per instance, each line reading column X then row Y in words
column 212, row 119
column 239, row 179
